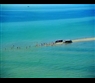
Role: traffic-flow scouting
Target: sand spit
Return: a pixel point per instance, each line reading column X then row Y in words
column 84, row 39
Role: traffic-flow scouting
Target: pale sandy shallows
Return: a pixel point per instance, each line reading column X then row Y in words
column 84, row 39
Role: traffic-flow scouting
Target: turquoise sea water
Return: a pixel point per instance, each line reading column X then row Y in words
column 75, row 60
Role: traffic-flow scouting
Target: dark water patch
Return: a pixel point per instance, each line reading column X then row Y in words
column 17, row 16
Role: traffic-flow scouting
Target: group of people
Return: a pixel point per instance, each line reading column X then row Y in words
column 45, row 44
column 18, row 47
column 37, row 45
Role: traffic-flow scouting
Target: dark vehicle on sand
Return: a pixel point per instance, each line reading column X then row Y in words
column 58, row 41
column 68, row 41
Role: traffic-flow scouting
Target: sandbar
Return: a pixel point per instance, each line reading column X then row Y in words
column 83, row 39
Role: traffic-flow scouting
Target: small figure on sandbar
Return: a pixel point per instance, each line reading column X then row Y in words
column 12, row 47
column 26, row 47
column 17, row 47
column 37, row 45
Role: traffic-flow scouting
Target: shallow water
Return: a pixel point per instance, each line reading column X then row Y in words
column 75, row 60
